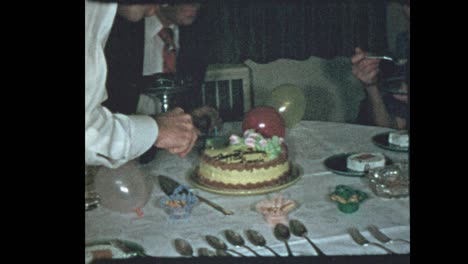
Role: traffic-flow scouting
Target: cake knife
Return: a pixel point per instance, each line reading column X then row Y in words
column 168, row 186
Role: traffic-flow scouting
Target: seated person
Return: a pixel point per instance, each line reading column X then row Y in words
column 389, row 110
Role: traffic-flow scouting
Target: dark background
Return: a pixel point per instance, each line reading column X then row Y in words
column 231, row 31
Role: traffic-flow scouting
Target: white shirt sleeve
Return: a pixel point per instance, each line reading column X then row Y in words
column 111, row 139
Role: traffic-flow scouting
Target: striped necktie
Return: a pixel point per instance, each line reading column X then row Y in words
column 169, row 50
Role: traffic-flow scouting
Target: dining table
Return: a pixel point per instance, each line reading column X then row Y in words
column 309, row 143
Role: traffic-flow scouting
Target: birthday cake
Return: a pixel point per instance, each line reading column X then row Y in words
column 248, row 162
column 364, row 161
column 399, row 138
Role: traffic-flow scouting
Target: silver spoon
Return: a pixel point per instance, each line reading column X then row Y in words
column 299, row 229
column 204, row 252
column 183, row 247
column 126, row 249
column 222, row 253
column 217, row 243
column 258, row 240
column 396, row 61
column 281, row 233
column 237, row 240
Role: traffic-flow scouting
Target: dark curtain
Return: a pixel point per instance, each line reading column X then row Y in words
column 231, row 31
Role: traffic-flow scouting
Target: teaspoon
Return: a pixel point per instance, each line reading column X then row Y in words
column 222, row 253
column 204, row 252
column 299, row 229
column 237, row 240
column 217, row 243
column 397, row 62
column 281, row 233
column 258, row 240
column 183, row 247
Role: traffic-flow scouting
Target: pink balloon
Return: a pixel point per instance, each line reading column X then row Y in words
column 125, row 189
column 266, row 121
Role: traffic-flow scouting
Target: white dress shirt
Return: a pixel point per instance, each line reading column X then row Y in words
column 153, row 56
column 111, row 139
column 153, row 60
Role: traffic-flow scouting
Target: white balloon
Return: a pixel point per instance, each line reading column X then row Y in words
column 124, row 189
column 289, row 101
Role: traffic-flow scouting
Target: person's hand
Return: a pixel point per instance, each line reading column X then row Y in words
column 177, row 133
column 206, row 119
column 365, row 70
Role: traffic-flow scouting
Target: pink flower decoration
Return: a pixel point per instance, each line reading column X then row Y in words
column 234, row 139
column 250, row 142
column 262, row 142
column 255, row 135
column 276, row 210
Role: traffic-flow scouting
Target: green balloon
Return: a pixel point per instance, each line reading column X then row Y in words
column 289, row 101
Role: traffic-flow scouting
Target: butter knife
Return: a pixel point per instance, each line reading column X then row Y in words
column 168, row 186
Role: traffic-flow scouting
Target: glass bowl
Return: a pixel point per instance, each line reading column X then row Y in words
column 391, row 181
column 178, row 206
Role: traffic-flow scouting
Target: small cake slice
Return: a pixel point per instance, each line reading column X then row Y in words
column 399, row 138
column 362, row 161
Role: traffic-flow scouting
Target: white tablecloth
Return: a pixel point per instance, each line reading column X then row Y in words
column 310, row 143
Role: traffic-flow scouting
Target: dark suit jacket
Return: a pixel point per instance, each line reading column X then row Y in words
column 124, row 53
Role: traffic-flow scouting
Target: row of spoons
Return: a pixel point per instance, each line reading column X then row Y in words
column 281, row 232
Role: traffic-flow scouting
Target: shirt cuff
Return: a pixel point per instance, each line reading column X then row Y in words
column 145, row 131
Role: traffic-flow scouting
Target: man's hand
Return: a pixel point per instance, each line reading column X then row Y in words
column 206, row 118
column 177, row 133
column 365, row 69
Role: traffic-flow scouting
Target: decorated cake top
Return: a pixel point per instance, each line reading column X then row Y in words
column 252, row 147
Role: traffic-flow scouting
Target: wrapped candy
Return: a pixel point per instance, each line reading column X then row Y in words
column 347, row 198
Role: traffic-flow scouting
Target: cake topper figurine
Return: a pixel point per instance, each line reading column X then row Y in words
column 276, row 209
column 347, row 198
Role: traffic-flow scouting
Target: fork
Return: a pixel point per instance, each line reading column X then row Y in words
column 374, row 230
column 361, row 240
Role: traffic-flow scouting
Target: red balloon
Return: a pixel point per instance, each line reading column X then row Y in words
column 266, row 121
